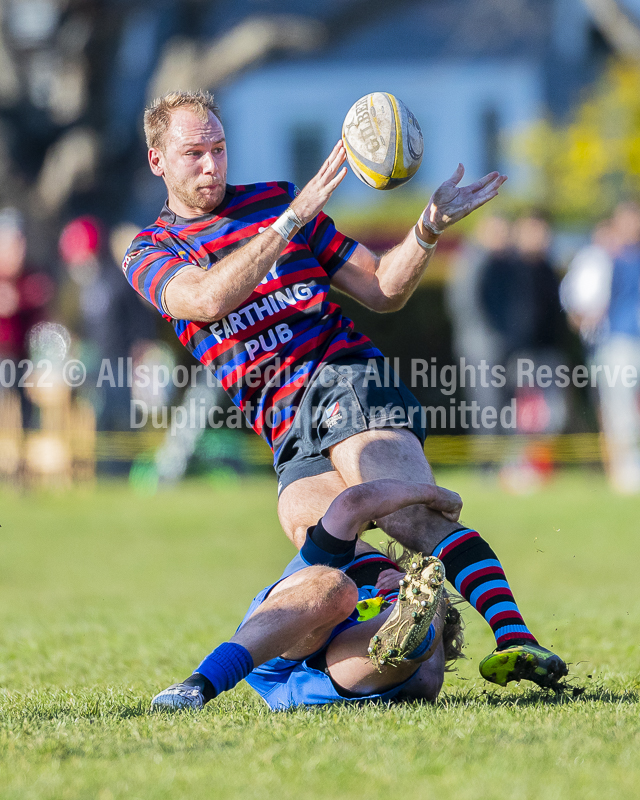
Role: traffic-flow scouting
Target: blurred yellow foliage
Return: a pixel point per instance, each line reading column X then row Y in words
column 582, row 168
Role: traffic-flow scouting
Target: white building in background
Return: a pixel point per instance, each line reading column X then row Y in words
column 474, row 73
column 283, row 120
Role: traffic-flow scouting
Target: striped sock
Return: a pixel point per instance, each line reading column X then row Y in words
column 473, row 568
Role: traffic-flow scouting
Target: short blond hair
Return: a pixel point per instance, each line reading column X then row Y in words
column 157, row 115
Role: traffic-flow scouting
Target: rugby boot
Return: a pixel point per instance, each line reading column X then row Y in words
column 524, row 662
column 178, row 697
column 408, row 624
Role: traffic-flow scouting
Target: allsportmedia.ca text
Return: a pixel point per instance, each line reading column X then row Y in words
column 423, row 373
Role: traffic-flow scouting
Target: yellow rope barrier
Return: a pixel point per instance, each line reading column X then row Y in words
column 570, row 448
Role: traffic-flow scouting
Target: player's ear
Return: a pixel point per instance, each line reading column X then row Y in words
column 156, row 161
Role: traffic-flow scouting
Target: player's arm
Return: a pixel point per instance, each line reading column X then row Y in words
column 358, row 505
column 207, row 296
column 385, row 283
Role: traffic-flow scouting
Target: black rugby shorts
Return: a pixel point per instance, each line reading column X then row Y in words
column 345, row 397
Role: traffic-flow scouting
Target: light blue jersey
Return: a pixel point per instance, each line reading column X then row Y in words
column 284, row 683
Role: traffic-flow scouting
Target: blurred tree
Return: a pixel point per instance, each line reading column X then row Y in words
column 75, row 75
column 585, row 165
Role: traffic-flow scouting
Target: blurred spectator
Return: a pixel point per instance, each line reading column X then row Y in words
column 101, row 311
column 520, row 298
column 519, row 291
column 24, row 295
column 601, row 293
column 24, row 292
column 586, row 288
column 474, row 338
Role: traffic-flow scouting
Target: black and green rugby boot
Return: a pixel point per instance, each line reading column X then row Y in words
column 408, row 624
column 524, row 661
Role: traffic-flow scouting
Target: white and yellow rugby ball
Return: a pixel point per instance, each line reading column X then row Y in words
column 383, row 141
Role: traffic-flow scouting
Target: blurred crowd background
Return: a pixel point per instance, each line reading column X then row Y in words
column 547, row 91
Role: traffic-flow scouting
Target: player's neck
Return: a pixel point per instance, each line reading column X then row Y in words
column 186, row 212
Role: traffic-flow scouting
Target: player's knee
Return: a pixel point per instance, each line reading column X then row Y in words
column 346, row 596
column 335, row 592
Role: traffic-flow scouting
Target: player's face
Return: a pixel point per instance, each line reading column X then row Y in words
column 193, row 163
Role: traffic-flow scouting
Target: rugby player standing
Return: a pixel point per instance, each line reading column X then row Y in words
column 243, row 275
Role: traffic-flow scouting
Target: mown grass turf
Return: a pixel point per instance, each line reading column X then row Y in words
column 106, row 597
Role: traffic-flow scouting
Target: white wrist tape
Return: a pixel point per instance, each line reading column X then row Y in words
column 287, row 224
column 424, row 245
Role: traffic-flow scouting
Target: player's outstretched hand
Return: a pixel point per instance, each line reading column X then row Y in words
column 315, row 194
column 451, row 202
column 448, row 503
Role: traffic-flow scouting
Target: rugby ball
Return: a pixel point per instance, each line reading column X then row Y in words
column 383, row 141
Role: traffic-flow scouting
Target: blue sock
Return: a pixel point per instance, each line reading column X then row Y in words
column 226, row 666
column 424, row 645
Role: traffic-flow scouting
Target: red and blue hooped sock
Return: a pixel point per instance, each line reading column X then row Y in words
column 475, row 571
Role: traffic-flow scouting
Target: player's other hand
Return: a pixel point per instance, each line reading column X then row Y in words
column 448, row 503
column 450, row 202
column 315, row 194
column 389, row 580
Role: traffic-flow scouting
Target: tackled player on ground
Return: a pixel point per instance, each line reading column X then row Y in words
column 344, row 623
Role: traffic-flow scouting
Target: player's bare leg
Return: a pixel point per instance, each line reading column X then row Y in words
column 471, row 564
column 352, row 666
column 299, row 614
column 294, row 621
column 364, row 457
column 394, row 453
column 304, row 502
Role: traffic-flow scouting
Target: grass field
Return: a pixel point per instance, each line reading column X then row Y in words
column 107, row 597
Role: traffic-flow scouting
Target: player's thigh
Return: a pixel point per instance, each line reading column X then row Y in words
column 301, row 581
column 303, row 503
column 351, row 668
column 322, row 592
column 394, row 453
column 381, row 453
column 426, row 682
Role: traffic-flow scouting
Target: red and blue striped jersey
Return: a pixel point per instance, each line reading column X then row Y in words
column 265, row 351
